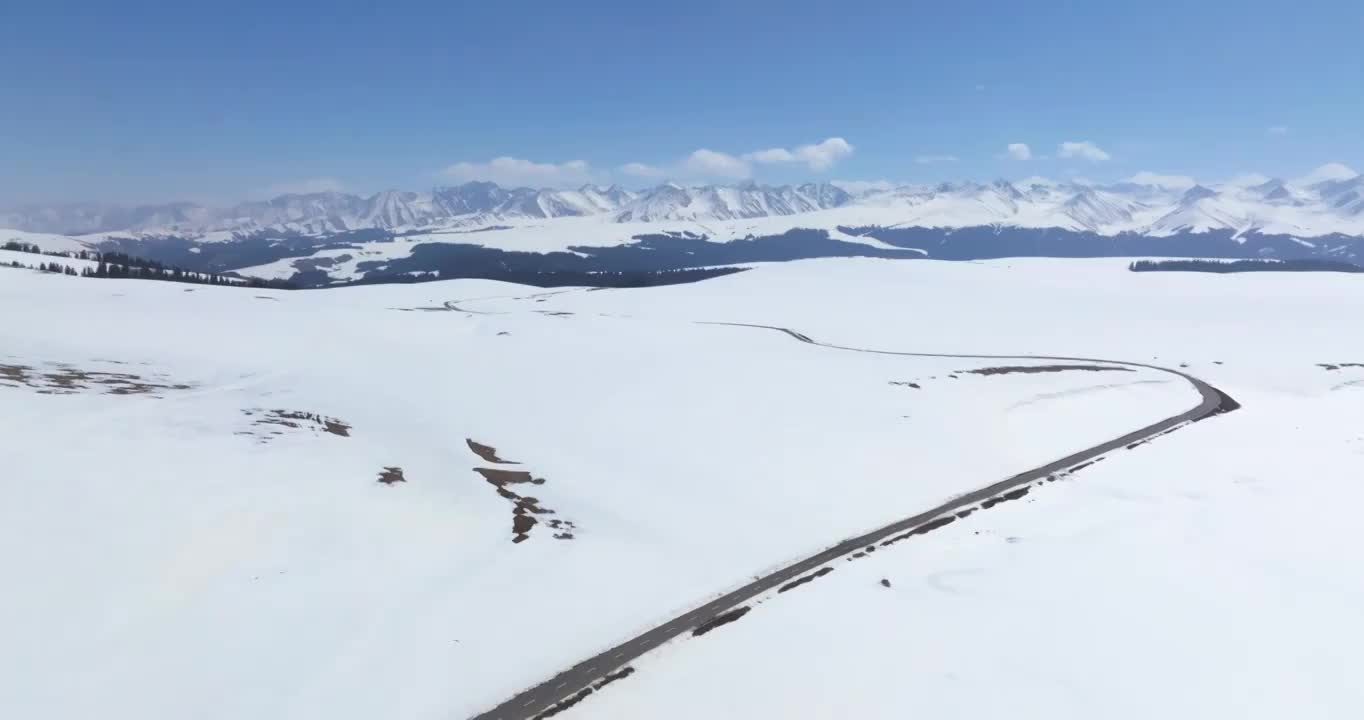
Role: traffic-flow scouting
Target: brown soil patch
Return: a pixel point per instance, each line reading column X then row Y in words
column 723, row 618
column 264, row 420
column 808, row 578
column 1015, row 494
column 526, row 509
column 392, row 475
column 624, row 672
column 924, row 529
column 59, row 379
column 521, row 524
column 578, row 697
column 565, row 528
column 1034, row 369
column 487, row 452
column 17, row 374
column 502, row 478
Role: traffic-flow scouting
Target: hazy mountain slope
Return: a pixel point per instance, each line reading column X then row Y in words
column 1330, row 201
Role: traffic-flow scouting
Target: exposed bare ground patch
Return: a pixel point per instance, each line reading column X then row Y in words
column 391, row 475
column 1034, row 369
column 527, row 510
column 487, row 452
column 1338, row 366
column 266, row 425
column 803, row 580
column 503, row 478
column 723, row 618
column 62, row 379
column 578, row 697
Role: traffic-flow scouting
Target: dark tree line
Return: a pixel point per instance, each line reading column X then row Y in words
column 121, row 266
column 48, row 267
column 124, row 266
column 17, row 246
column 1238, row 266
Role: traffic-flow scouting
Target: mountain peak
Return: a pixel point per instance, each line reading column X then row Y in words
column 1196, row 193
column 1331, row 205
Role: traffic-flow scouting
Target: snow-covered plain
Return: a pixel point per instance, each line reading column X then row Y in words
column 337, row 262
column 30, row 260
column 1210, row 575
column 47, row 242
column 1204, row 575
column 162, row 564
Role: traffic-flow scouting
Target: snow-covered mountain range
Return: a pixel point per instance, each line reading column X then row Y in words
column 1329, row 201
column 474, row 204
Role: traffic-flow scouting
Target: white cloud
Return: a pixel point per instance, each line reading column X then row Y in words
column 642, row 170
column 1329, row 171
column 771, row 156
column 1277, row 131
column 1174, row 182
column 935, row 159
column 857, row 187
column 1083, row 149
column 702, row 163
column 1247, row 180
column 516, row 172
column 716, row 164
column 1019, row 151
column 820, row 156
column 825, row 154
column 305, row 187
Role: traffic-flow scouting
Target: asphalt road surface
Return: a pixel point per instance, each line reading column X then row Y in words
column 578, row 681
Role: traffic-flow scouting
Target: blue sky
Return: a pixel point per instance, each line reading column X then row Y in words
column 152, row 101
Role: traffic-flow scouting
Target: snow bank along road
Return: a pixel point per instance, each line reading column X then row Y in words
column 579, row 681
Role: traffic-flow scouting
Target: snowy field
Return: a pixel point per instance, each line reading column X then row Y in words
column 196, row 524
column 47, row 242
column 31, row 260
column 1204, row 575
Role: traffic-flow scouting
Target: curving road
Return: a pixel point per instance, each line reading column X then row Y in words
column 575, row 683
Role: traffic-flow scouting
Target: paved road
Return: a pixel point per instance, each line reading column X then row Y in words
column 579, row 679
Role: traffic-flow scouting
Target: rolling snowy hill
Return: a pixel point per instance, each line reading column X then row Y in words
column 212, row 474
